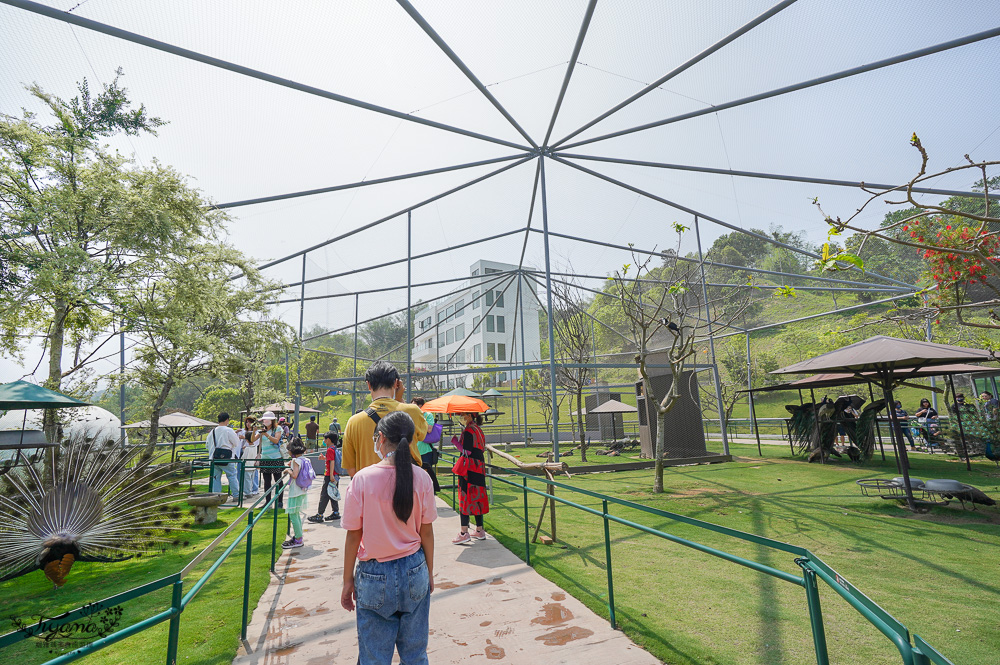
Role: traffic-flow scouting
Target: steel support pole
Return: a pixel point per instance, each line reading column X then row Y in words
column 174, row 630
column 961, row 427
column 527, row 537
column 878, row 431
column 288, row 388
column 930, row 338
column 815, row 616
column 246, row 577
column 711, row 342
column 409, row 303
column 298, row 365
column 354, row 385
column 121, row 387
column 750, row 383
column 521, row 284
column 548, row 296
column 607, row 561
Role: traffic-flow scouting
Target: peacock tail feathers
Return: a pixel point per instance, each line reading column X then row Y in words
column 92, row 501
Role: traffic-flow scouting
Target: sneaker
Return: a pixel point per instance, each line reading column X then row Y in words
column 290, row 543
column 315, row 519
column 332, row 518
column 479, row 535
column 462, row 538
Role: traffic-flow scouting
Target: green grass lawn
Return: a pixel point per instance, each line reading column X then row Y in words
column 209, row 628
column 936, row 573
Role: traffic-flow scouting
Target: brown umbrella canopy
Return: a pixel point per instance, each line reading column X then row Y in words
column 881, row 354
column 614, row 406
column 831, row 379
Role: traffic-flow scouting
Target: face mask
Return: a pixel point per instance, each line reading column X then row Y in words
column 375, row 446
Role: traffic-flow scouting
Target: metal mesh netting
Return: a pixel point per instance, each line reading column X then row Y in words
column 241, row 138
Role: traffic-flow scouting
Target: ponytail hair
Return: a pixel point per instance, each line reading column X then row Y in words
column 398, row 429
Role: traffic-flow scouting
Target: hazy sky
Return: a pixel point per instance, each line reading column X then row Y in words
column 241, row 138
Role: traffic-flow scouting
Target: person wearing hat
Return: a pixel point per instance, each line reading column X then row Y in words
column 386, row 390
column 283, row 423
column 271, row 437
column 334, row 471
column 335, row 426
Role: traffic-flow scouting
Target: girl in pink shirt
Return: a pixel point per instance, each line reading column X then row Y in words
column 388, row 510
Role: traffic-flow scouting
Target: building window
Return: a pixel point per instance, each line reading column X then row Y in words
column 491, row 351
column 475, row 300
column 440, row 316
column 460, row 357
column 460, row 332
column 489, row 298
column 477, row 353
column 429, row 344
column 502, row 352
column 490, row 271
column 503, row 377
column 489, row 323
column 450, row 311
column 500, row 325
column 440, row 340
column 450, row 336
column 475, row 323
column 475, row 272
column 499, row 298
column 460, row 308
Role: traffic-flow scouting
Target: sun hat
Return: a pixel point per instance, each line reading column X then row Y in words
column 268, row 415
column 281, row 419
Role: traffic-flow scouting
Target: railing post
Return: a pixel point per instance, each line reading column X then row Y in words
column 527, row 538
column 246, row 576
column 815, row 613
column 274, row 530
column 173, row 633
column 607, row 559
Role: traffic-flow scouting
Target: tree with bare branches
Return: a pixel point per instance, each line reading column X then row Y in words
column 574, row 332
column 671, row 308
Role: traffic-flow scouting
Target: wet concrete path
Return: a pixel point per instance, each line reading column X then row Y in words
column 487, row 606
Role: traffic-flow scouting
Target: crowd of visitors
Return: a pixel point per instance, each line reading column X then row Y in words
column 389, row 452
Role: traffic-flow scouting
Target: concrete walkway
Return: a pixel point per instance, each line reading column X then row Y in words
column 487, row 605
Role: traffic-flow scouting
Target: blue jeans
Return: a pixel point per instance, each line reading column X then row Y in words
column 251, row 479
column 393, row 603
column 232, row 474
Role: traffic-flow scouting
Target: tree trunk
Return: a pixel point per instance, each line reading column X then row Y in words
column 583, row 431
column 154, row 417
column 661, row 438
column 57, row 335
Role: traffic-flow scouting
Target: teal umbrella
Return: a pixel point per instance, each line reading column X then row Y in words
column 464, row 392
column 492, row 392
column 24, row 395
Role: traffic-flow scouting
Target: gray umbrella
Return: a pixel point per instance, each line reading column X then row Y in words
column 884, row 358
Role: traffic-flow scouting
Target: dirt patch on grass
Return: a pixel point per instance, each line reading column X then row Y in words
column 707, row 491
column 952, row 516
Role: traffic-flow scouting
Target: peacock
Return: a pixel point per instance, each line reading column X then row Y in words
column 87, row 501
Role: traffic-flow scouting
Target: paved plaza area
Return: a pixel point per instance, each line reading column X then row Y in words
column 487, row 606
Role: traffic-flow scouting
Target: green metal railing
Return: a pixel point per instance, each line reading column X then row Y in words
column 179, row 600
column 813, row 568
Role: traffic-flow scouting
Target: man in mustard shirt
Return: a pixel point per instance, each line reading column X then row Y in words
column 386, row 390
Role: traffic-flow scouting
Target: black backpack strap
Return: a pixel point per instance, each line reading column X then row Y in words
column 371, row 413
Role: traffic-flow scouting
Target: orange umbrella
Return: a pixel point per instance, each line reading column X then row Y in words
column 455, row 404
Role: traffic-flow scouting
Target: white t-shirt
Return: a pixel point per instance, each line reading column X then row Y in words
column 223, row 437
column 293, row 488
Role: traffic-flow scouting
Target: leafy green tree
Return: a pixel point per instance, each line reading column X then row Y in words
column 86, row 223
column 216, row 399
column 192, row 318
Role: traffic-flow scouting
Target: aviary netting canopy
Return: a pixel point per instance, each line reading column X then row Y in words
column 299, row 118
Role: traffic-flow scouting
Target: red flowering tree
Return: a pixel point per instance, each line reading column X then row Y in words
column 959, row 239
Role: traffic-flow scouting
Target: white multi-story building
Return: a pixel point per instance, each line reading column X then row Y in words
column 477, row 325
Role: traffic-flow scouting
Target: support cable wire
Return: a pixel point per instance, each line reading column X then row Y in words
column 776, row 176
column 847, row 73
column 365, row 183
column 681, row 68
column 584, row 25
column 714, row 220
column 142, row 40
column 394, row 215
column 443, row 45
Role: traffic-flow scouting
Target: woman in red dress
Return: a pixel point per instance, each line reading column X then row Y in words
column 475, row 499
